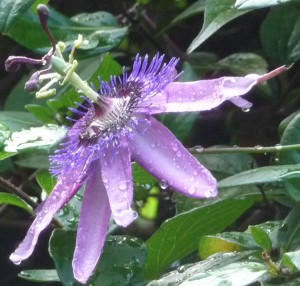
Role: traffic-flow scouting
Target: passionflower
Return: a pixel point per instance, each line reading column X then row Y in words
column 117, row 129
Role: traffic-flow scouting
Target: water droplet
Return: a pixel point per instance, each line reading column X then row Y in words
column 278, row 146
column 258, row 147
column 199, row 148
column 181, row 269
column 163, row 185
column 246, row 109
column 179, row 154
column 79, row 273
column 123, row 186
column 105, row 180
column 175, row 147
column 192, row 190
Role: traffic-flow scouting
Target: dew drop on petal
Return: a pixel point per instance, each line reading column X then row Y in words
column 175, row 146
column 79, row 273
column 192, row 190
column 123, row 186
column 163, row 185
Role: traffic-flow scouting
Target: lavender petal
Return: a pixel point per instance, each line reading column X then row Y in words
column 199, row 95
column 68, row 184
column 93, row 226
column 158, row 151
column 117, row 180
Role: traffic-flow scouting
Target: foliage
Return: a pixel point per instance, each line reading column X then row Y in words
column 251, row 231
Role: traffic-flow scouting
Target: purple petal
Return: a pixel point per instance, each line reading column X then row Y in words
column 200, row 95
column 117, row 179
column 93, row 226
column 158, row 151
column 204, row 94
column 69, row 183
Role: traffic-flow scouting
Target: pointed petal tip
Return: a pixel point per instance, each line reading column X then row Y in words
column 273, row 73
column 15, row 258
column 80, row 276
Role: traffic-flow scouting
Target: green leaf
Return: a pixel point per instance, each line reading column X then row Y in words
column 291, row 135
column 43, row 113
column 121, row 262
column 18, row 97
column 180, row 124
column 224, row 165
column 141, row 176
column 46, row 181
column 261, row 238
column 97, row 19
column 288, row 233
column 4, row 155
column 184, row 272
column 70, row 214
column 193, row 9
column 179, row 236
column 244, row 63
column 217, row 14
column 10, row 11
column 269, row 174
column 11, row 199
column 235, row 274
column 4, row 134
column 291, row 260
column 28, row 32
column 17, row 120
column 255, row 4
column 225, row 242
column 106, row 69
column 35, row 160
column 40, row 275
column 280, row 33
column 35, row 137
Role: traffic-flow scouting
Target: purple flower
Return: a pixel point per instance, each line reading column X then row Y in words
column 118, row 128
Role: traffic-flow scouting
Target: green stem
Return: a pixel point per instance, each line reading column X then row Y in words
column 61, row 67
column 254, row 150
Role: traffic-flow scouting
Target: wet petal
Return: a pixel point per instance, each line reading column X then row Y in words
column 204, row 94
column 69, row 183
column 157, row 150
column 117, row 179
column 93, row 226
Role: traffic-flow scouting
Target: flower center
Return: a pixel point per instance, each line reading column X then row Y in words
column 117, row 107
